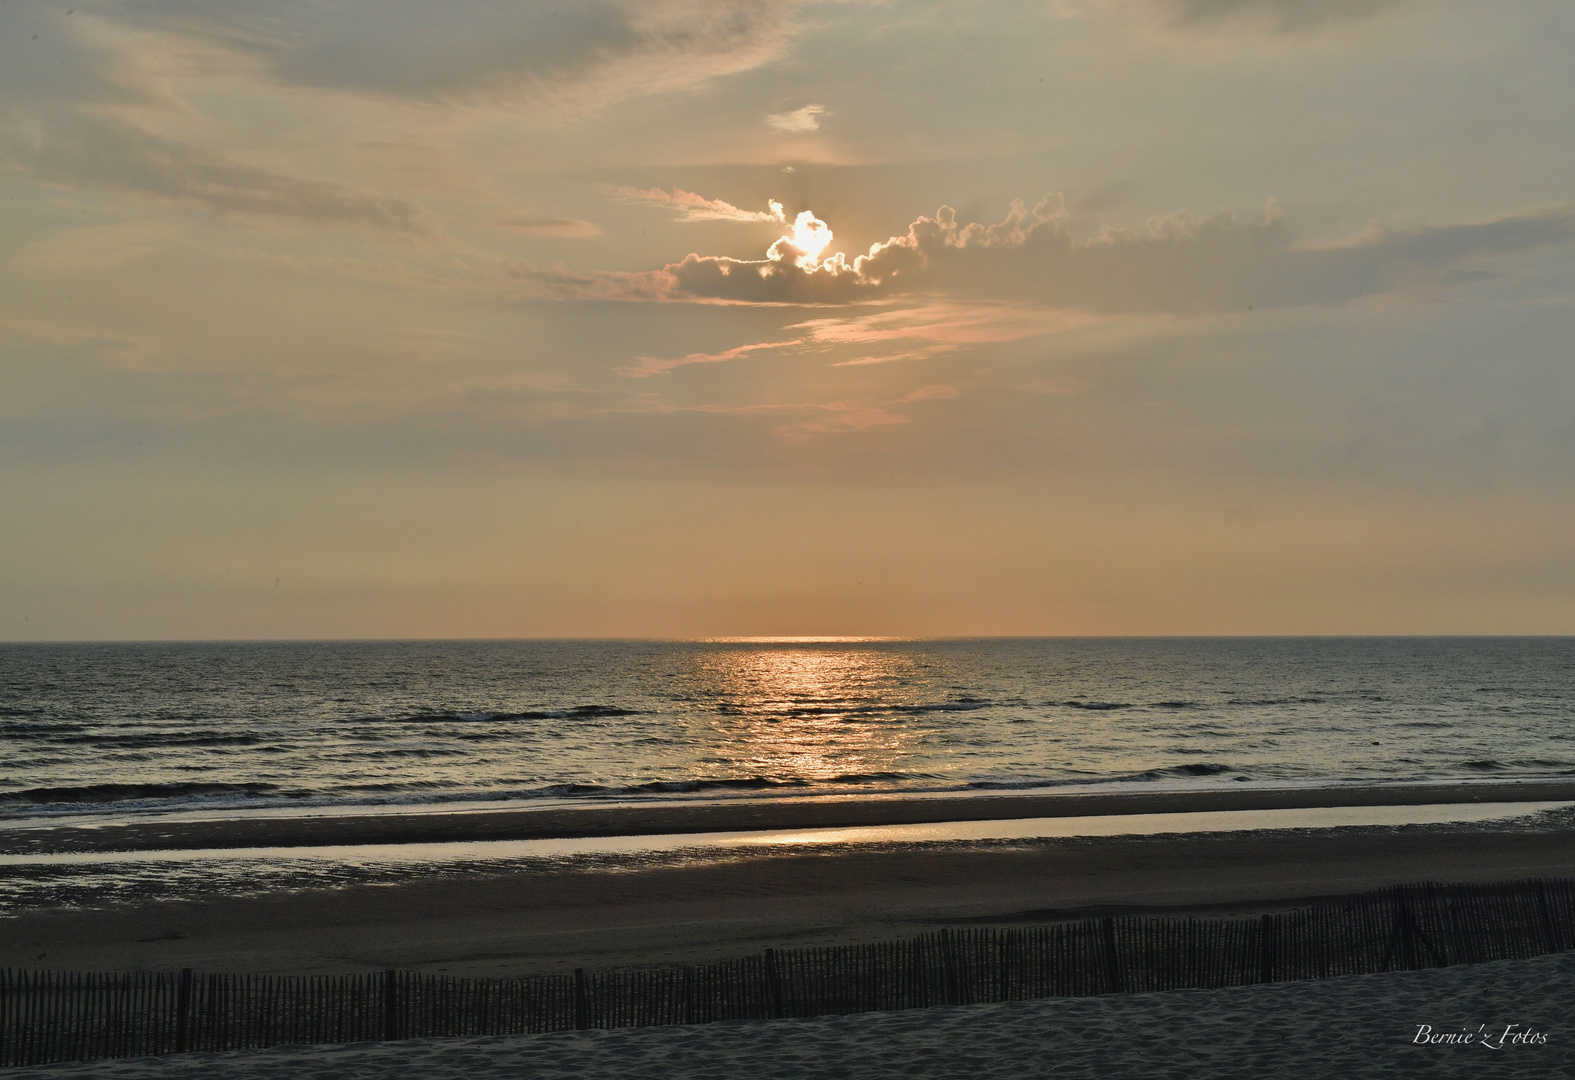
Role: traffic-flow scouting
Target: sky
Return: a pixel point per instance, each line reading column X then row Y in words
column 383, row 318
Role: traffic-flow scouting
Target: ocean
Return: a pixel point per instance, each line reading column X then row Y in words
column 130, row 730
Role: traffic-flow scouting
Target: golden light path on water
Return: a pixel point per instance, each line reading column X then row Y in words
column 807, row 712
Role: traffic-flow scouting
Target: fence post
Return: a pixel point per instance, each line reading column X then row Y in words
column 183, row 1010
column 1112, row 955
column 582, row 1020
column 774, row 983
column 948, row 975
column 390, row 1005
column 1266, row 951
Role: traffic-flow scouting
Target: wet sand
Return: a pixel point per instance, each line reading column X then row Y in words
column 1331, row 1029
column 556, row 916
column 649, row 819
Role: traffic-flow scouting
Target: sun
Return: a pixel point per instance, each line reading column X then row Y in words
column 811, row 236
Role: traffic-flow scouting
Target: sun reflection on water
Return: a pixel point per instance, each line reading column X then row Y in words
column 815, row 714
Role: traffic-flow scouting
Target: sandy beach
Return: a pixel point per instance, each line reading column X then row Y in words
column 1356, row 1026
column 560, row 916
column 553, row 916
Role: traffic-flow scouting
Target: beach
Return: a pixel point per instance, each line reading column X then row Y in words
column 1355, row 1026
column 555, row 915
column 694, row 905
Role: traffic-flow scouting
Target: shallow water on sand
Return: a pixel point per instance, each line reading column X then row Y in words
column 108, row 878
column 129, row 729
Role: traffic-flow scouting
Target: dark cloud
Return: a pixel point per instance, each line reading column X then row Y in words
column 46, row 58
column 107, row 151
column 480, row 49
column 1179, row 263
column 68, row 99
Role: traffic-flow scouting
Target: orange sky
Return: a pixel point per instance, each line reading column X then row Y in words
column 687, row 319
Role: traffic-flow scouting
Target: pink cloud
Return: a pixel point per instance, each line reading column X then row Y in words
column 693, row 207
column 646, row 366
column 890, row 336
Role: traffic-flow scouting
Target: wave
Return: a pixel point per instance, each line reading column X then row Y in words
column 1095, row 706
column 965, row 704
column 732, row 783
column 173, row 738
column 37, row 729
column 578, row 712
column 1196, row 769
column 1090, row 779
column 1493, row 764
column 1019, row 785
column 111, row 793
column 1277, row 701
column 959, row 705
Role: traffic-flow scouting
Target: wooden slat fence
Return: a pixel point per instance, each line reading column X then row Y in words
column 74, row 1016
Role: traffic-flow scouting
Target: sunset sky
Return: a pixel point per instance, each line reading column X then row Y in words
column 377, row 318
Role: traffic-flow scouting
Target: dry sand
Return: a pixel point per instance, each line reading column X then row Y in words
column 551, row 918
column 1352, row 1027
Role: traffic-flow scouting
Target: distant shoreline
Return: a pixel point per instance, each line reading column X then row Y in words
column 559, row 822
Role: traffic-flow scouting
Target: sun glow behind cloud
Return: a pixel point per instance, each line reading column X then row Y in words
column 809, row 238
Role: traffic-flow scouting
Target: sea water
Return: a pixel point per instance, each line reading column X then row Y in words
column 128, row 730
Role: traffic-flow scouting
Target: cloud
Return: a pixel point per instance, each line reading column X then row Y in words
column 105, row 150
column 560, row 228
column 821, row 418
column 646, row 366
column 48, row 56
column 90, row 248
column 1178, row 264
column 575, row 55
column 76, row 95
column 930, row 393
column 952, row 325
column 1286, row 17
column 883, row 337
column 799, row 121
column 692, row 207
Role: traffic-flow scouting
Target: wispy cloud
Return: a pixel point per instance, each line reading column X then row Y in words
column 1284, row 17
column 692, row 207
column 940, row 327
column 646, row 366
column 572, row 56
column 91, row 248
column 799, row 121
column 560, row 228
column 884, row 337
column 111, row 151
column 803, row 419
